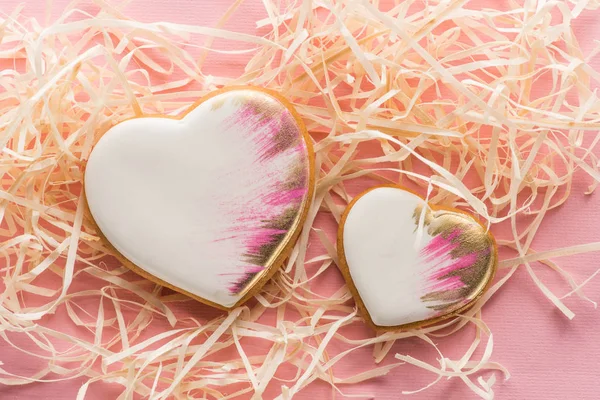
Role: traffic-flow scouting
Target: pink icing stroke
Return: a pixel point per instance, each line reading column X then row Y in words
column 437, row 253
column 278, row 197
column 285, row 197
column 248, row 117
column 261, row 237
column 256, row 239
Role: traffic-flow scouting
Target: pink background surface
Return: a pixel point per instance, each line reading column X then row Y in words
column 548, row 356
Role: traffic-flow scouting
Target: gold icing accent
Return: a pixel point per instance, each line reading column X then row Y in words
column 296, row 179
column 473, row 238
column 288, row 135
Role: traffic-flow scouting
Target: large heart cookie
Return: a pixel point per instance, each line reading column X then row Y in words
column 401, row 278
column 209, row 204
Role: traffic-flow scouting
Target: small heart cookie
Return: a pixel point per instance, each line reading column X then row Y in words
column 403, row 279
column 209, row 204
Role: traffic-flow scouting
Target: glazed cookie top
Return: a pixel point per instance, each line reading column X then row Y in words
column 208, row 204
column 404, row 276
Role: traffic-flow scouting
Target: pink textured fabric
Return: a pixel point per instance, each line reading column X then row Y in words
column 548, row 356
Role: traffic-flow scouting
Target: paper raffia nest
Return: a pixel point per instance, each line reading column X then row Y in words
column 486, row 110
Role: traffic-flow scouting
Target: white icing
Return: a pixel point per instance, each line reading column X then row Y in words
column 381, row 253
column 169, row 194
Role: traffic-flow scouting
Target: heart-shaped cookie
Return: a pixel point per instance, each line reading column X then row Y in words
column 209, row 204
column 402, row 277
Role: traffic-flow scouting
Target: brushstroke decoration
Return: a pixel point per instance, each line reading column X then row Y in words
column 210, row 204
column 411, row 264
